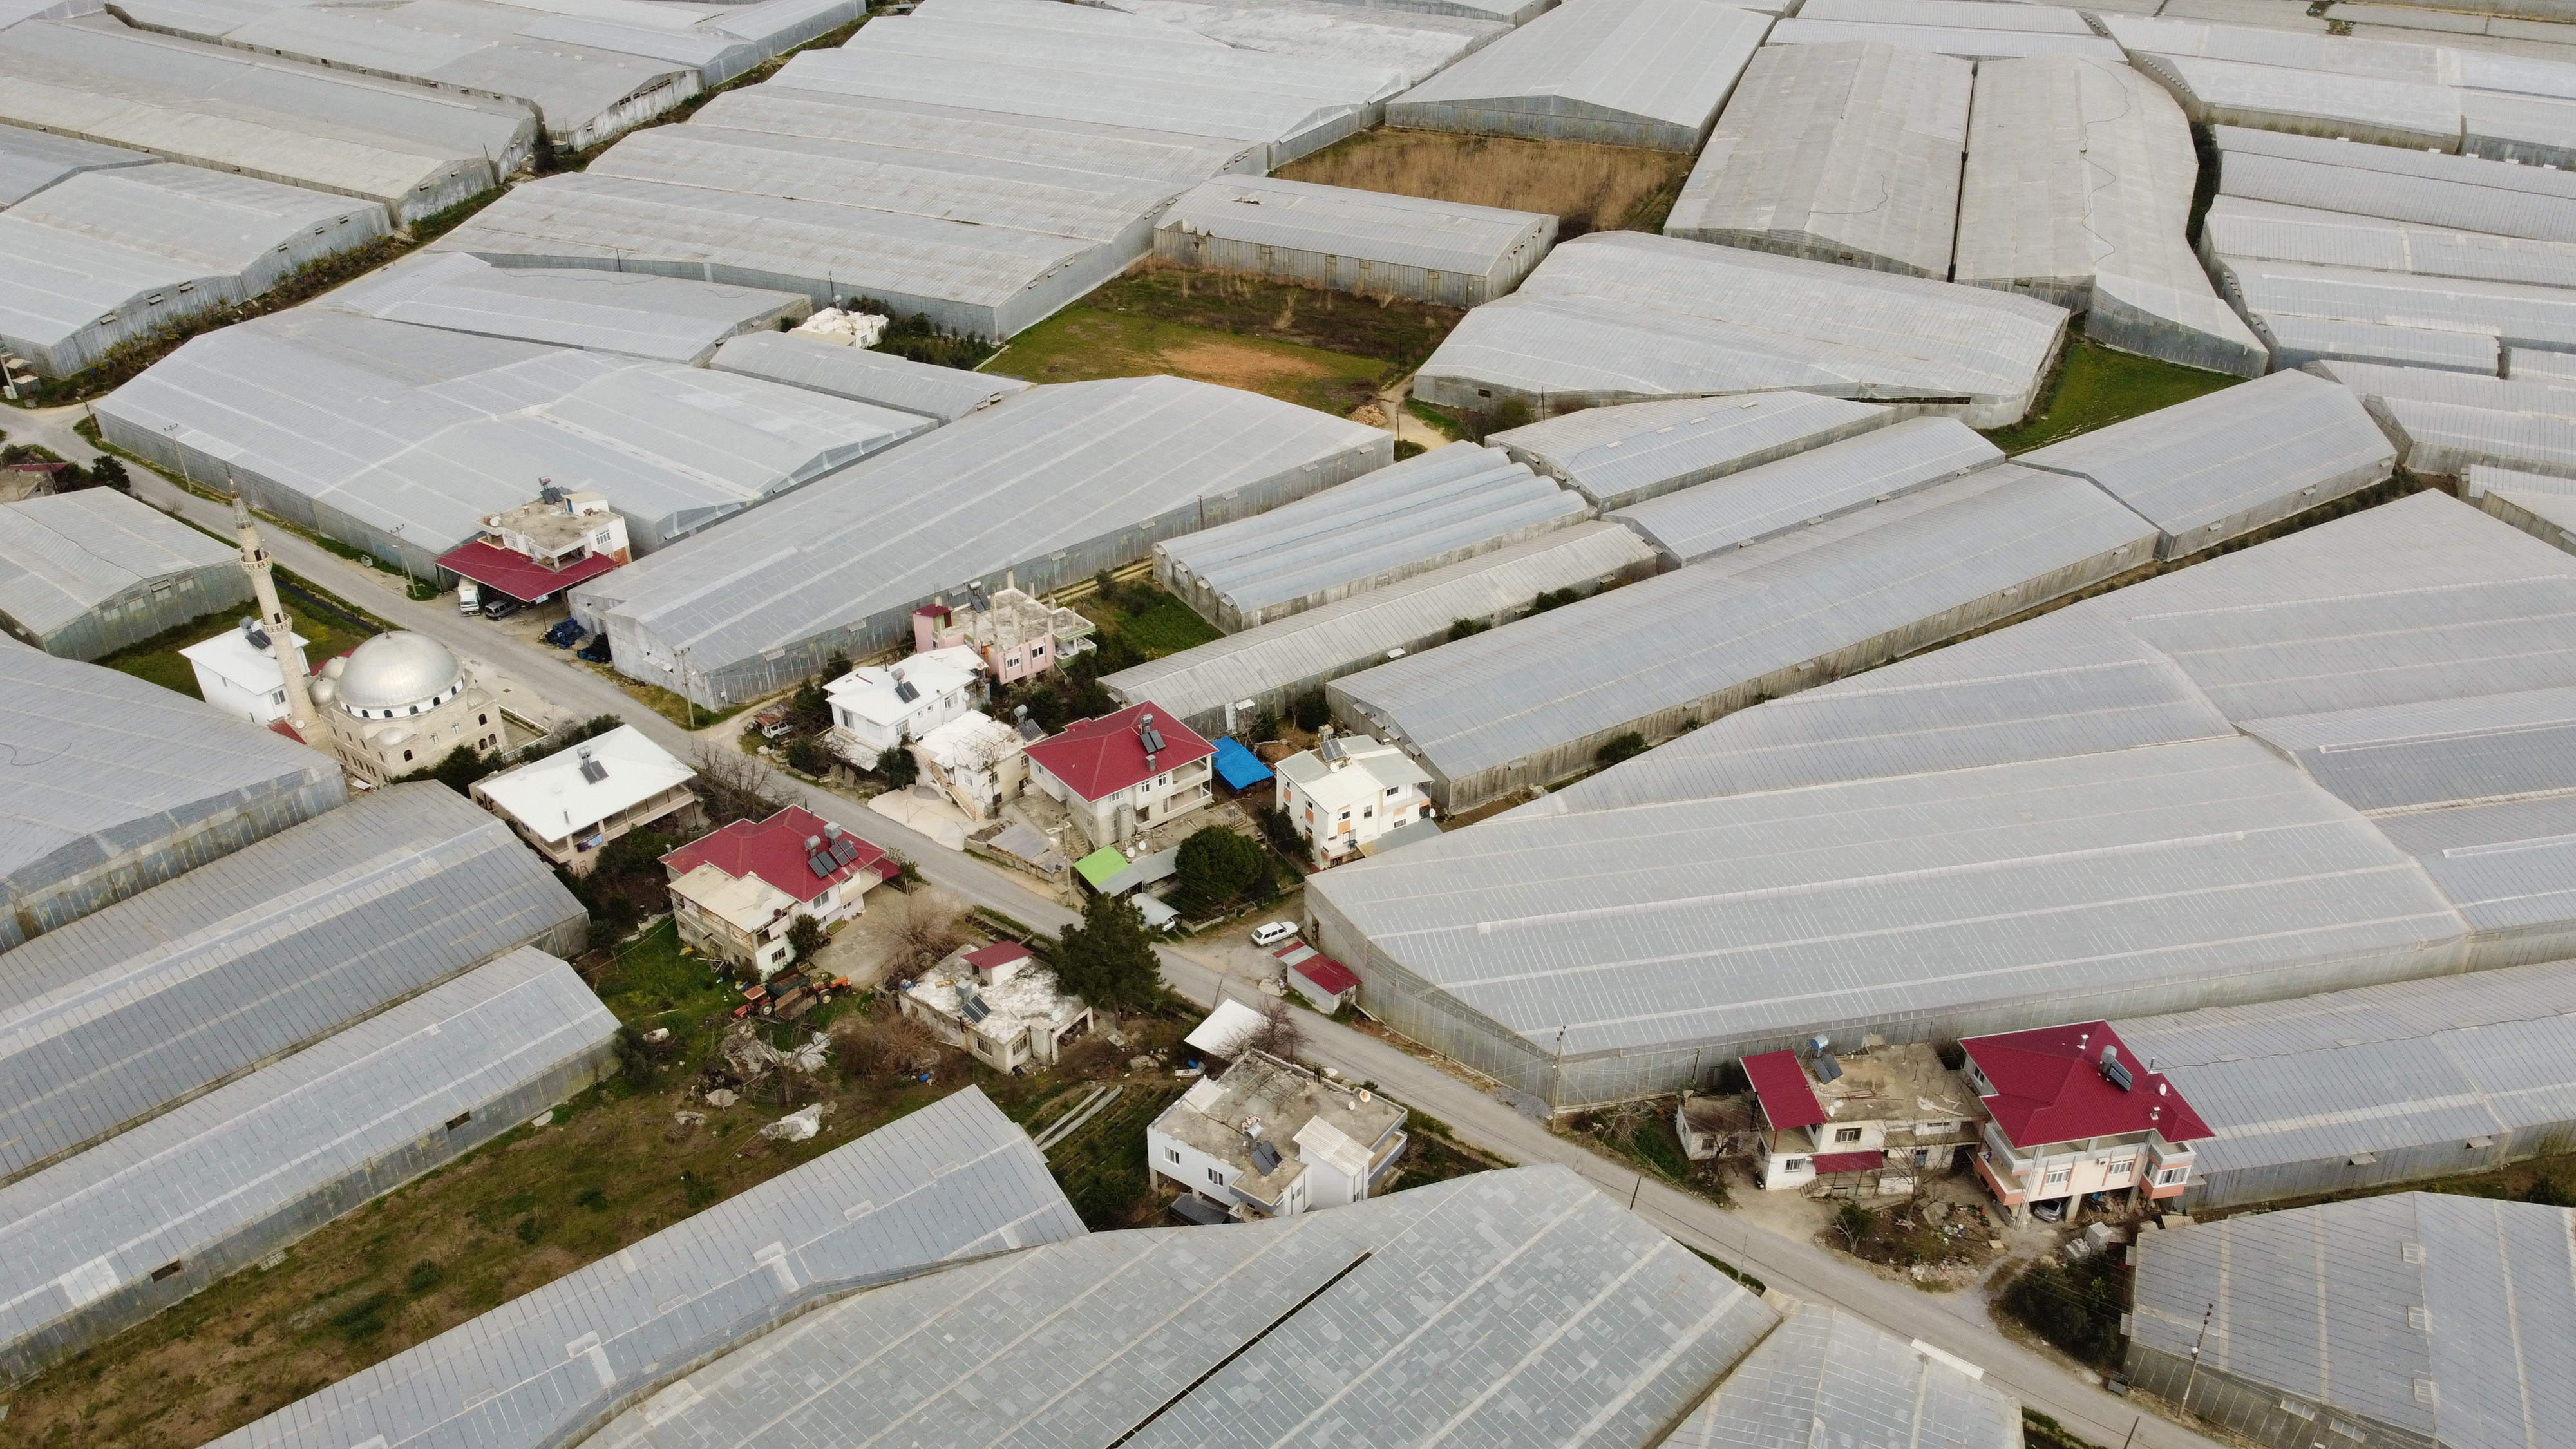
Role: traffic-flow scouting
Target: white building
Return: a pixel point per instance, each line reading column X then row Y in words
column 999, row 1005
column 1871, row 1121
column 240, row 677
column 737, row 893
column 575, row 801
column 400, row 703
column 1273, row 1140
column 876, row 708
column 977, row 759
column 1346, row 792
column 1122, row 773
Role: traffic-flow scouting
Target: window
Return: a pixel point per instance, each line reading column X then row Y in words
column 1846, row 1134
column 166, row 1270
column 482, row 719
column 2170, row 1176
column 1216, row 1176
column 2121, row 1169
column 459, row 1120
column 2057, row 1176
column 1793, row 1164
column 1173, row 1153
column 406, row 754
column 1391, row 790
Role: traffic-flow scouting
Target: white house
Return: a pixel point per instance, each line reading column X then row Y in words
column 240, row 677
column 1348, row 791
column 1272, row 1140
column 999, row 1005
column 1875, row 1120
column 1123, row 772
column 574, row 801
column 977, row 759
column 876, row 708
column 737, row 892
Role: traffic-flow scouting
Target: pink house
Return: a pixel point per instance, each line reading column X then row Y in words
column 1018, row 637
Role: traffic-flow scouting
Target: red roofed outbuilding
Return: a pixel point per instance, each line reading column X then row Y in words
column 736, row 891
column 1123, row 773
column 2072, row 1111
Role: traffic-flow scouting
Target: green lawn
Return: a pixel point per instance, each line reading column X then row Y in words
column 158, row 660
column 2096, row 386
column 1079, row 344
column 1161, row 625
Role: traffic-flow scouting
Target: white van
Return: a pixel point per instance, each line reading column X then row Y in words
column 469, row 598
column 1273, row 933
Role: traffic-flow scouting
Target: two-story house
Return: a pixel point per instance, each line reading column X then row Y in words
column 575, row 801
column 538, row 550
column 736, row 891
column 999, row 1005
column 1894, row 1113
column 1348, row 791
column 876, row 708
column 1122, row 772
column 2072, row 1112
column 1270, row 1139
column 1018, row 637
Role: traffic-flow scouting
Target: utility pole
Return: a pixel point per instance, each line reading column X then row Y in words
column 2196, row 1343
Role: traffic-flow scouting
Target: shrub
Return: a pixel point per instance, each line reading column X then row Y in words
column 1508, row 414
column 806, row 755
column 1626, row 747
column 1465, row 628
column 424, row 1276
column 1553, row 599
column 898, row 767
column 2076, row 1308
column 805, row 937
column 1310, row 711
column 1216, row 866
column 1407, row 448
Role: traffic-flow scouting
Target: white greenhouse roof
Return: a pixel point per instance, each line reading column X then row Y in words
column 1448, row 504
column 108, row 1019
column 1663, row 65
column 779, row 106
column 1985, row 41
column 1516, row 706
column 2458, row 193
column 2321, row 1307
column 562, row 792
column 217, row 222
column 943, row 1187
column 2446, row 422
column 1949, row 14
column 1416, row 42
column 30, row 161
column 2230, row 461
column 879, row 378
column 287, row 1142
column 421, row 432
column 1337, row 221
column 2239, row 227
column 1884, row 806
column 2539, row 504
column 109, row 767
column 1518, row 1308
column 64, row 554
column 1775, row 498
column 1355, row 633
column 413, row 150
column 1844, row 152
column 1618, row 456
column 1036, row 474
column 1825, row 1375
column 1623, row 317
column 632, row 314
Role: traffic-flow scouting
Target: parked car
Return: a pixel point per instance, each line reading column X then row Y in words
column 469, row 597
column 1273, row 933
column 773, row 722
column 501, row 606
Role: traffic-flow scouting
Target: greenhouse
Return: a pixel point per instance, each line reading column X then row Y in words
column 661, row 318
column 1535, row 701
column 87, row 573
column 1758, row 503
column 1826, row 1373
column 2538, row 504
column 1449, row 504
column 280, row 944
column 105, row 1239
column 1649, row 73
column 1061, row 482
column 30, row 161
column 1845, row 152
column 1224, row 685
column 121, row 785
column 1354, row 241
column 2446, row 423
column 949, row 1184
column 1617, row 456
column 879, row 379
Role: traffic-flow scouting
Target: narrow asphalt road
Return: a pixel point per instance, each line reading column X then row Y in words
column 1954, row 1322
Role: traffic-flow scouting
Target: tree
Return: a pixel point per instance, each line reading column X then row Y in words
column 809, row 707
column 458, row 771
column 110, row 473
column 1278, row 1033
column 1854, row 1222
column 898, row 766
column 1553, row 599
column 734, row 786
column 1311, row 710
column 1467, row 628
column 807, row 756
column 1626, row 747
column 805, row 937
column 1108, row 960
column 934, row 925
column 1216, row 866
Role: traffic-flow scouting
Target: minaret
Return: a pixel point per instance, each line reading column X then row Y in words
column 273, row 620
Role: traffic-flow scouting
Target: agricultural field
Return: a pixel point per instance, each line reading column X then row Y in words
column 1585, row 187
column 2095, row 387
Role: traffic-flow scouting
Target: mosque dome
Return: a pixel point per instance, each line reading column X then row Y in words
column 398, row 674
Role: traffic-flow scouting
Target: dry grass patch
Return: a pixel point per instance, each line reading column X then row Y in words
column 1586, row 187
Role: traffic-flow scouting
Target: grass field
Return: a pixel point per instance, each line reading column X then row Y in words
column 1082, row 343
column 1585, row 187
column 1159, row 625
column 158, row 660
column 2095, row 387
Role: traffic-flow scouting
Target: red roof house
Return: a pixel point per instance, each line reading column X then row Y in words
column 2075, row 1112
column 1319, row 978
column 736, row 891
column 1122, row 772
column 1780, row 1085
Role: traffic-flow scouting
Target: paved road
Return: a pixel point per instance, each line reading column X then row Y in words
column 1954, row 1322
column 49, row 428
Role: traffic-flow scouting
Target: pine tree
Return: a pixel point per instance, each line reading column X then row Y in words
column 1108, row 960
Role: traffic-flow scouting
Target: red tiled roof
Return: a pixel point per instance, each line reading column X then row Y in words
column 1098, row 757
column 1334, row 977
column 1000, row 953
column 518, row 575
column 1830, row 1162
column 774, row 850
column 2049, row 1088
column 1787, row 1099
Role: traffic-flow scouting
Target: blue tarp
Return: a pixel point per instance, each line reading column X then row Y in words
column 1240, row 768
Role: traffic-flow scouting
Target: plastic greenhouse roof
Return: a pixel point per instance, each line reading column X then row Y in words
column 107, row 764
column 881, row 378
column 1954, row 14
column 1414, row 41
column 1629, row 317
column 54, row 284
column 259, row 1149
column 1617, row 456
column 106, row 1020
column 2492, row 1280
column 777, row 105
column 1536, row 684
column 1852, row 147
column 1825, row 1373
column 2521, row 316
column 1659, row 60
column 64, row 554
column 2465, row 193
column 30, row 161
column 664, row 318
column 2239, row 227
column 1038, row 471
column 950, row 1184
column 1806, row 488
column 1451, row 503
column 1513, row 1282
column 1337, row 221
column 1595, row 902
column 1353, row 633
column 215, row 221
